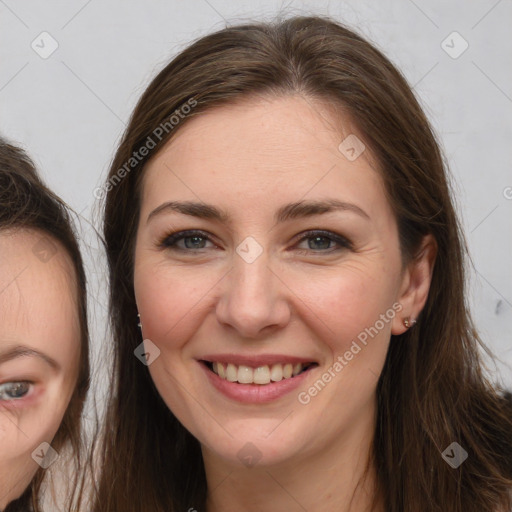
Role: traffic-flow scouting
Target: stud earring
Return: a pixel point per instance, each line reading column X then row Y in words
column 139, row 323
column 408, row 323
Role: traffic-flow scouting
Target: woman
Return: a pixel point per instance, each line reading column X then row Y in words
column 44, row 362
column 281, row 237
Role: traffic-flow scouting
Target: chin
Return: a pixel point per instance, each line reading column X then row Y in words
column 256, row 442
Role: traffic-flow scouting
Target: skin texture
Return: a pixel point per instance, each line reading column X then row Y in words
column 297, row 298
column 39, row 313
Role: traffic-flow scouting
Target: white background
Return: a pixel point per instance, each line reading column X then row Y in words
column 70, row 109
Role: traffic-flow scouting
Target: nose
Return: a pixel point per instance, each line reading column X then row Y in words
column 253, row 300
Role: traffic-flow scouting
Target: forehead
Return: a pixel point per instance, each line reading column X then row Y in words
column 37, row 290
column 266, row 147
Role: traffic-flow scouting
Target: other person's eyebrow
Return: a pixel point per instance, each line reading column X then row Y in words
column 24, row 351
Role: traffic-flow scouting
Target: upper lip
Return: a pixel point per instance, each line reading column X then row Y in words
column 255, row 360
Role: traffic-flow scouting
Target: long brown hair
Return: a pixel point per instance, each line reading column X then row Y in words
column 26, row 203
column 432, row 390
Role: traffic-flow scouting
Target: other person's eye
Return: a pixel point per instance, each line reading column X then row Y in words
column 14, row 390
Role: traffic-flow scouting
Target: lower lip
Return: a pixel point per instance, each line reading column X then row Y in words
column 255, row 393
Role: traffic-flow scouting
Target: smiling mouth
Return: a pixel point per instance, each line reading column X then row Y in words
column 261, row 375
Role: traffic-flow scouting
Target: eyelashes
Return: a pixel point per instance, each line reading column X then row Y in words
column 170, row 241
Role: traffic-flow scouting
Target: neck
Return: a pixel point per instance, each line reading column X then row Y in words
column 339, row 477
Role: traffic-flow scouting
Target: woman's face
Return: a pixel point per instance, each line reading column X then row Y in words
column 270, row 318
column 39, row 351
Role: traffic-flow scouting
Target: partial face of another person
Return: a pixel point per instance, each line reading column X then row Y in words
column 39, row 352
column 260, row 312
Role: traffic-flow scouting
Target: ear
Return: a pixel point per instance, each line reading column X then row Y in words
column 415, row 284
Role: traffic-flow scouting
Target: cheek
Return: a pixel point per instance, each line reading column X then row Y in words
column 345, row 310
column 344, row 303
column 24, row 429
column 169, row 300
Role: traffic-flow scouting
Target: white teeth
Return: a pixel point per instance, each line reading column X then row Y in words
column 231, row 372
column 245, row 374
column 261, row 375
column 276, row 374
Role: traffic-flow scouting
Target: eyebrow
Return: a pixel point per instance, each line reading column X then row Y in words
column 23, row 351
column 299, row 209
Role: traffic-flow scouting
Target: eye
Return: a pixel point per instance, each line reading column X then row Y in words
column 321, row 241
column 14, row 390
column 193, row 239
